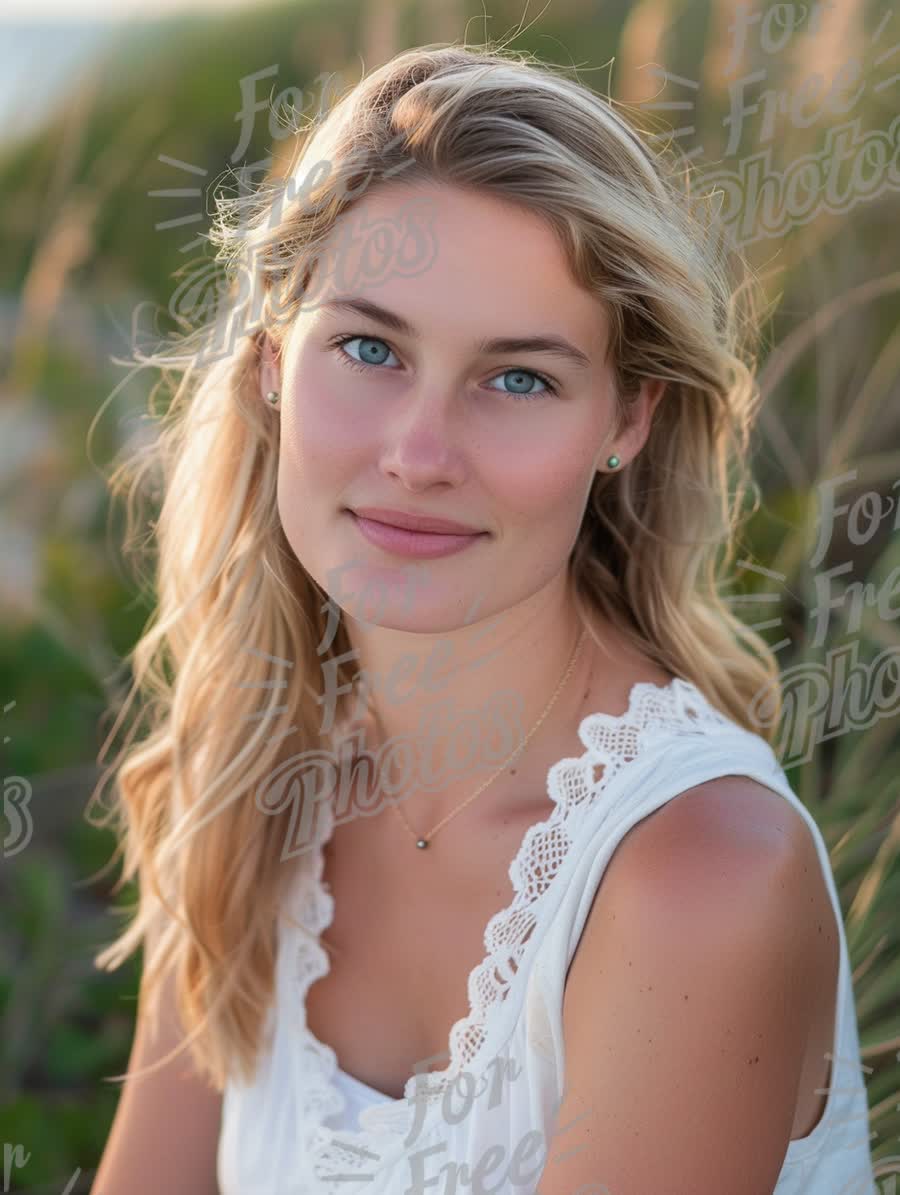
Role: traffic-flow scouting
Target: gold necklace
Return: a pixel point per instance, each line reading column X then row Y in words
column 422, row 841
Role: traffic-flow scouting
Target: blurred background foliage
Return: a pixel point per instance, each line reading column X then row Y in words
column 90, row 259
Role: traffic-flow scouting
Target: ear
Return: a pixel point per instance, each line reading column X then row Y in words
column 631, row 439
column 269, row 365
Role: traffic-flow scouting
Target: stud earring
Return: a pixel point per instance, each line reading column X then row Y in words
column 613, row 461
column 272, row 397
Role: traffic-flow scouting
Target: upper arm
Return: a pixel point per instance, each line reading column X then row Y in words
column 165, row 1133
column 687, row 1004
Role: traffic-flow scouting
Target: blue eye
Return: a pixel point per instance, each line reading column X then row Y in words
column 366, row 351
column 527, row 373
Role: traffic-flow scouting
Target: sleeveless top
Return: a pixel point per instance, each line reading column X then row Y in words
column 304, row 1127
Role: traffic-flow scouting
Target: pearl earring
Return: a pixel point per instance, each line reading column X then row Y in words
column 272, row 397
column 613, row 461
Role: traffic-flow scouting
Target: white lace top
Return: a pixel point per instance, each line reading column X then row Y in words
column 294, row 1131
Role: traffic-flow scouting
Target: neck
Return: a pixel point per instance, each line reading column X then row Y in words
column 463, row 701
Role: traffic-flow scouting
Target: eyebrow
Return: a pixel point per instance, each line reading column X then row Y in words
column 555, row 345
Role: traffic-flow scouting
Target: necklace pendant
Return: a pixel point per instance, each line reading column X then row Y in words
column 421, row 843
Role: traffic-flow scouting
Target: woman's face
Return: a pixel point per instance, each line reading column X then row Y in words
column 431, row 420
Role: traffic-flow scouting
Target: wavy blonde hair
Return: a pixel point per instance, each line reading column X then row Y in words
column 656, row 541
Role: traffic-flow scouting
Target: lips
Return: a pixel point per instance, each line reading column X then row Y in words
column 413, row 522
column 402, row 541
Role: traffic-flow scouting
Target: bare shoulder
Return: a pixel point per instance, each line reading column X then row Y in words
column 730, row 848
column 687, row 1004
column 734, row 816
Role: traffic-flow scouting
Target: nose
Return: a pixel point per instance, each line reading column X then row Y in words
column 422, row 443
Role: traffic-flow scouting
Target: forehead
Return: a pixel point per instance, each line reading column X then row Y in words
column 461, row 264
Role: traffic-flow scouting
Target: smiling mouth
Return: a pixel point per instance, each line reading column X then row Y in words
column 428, row 524
column 404, row 541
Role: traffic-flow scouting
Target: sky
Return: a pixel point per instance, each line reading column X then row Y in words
column 45, row 44
column 84, row 11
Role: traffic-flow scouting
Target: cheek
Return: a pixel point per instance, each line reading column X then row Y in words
column 545, row 478
column 322, row 431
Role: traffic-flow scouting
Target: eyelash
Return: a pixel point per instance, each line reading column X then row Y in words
column 339, row 341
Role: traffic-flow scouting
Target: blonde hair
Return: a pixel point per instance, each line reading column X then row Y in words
column 656, row 539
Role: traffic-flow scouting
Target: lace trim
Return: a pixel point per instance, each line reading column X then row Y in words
column 610, row 741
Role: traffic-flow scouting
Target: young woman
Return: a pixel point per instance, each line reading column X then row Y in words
column 465, row 863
